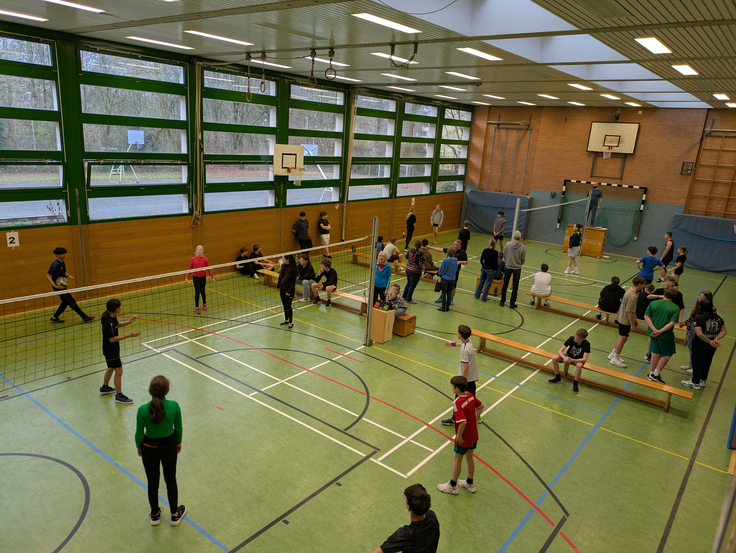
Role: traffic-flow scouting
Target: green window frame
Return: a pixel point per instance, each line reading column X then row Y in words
column 453, row 137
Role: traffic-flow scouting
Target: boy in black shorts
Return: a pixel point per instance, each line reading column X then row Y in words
column 56, row 271
column 329, row 285
column 111, row 350
column 464, row 236
column 667, row 254
column 578, row 349
column 626, row 318
column 423, row 533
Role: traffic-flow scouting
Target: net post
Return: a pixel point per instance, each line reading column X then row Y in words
column 585, row 223
column 367, row 341
column 516, row 215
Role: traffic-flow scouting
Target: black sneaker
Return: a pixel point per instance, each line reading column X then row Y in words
column 501, row 303
column 122, row 398
column 574, row 386
column 328, row 304
column 598, row 316
column 284, row 323
column 291, row 325
column 655, row 378
column 448, row 422
column 88, row 319
column 106, row 390
column 156, row 518
column 557, row 378
column 56, row 320
column 178, row 515
column 316, row 300
column 513, row 306
column 660, row 280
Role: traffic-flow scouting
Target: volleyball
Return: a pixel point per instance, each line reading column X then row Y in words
column 61, row 282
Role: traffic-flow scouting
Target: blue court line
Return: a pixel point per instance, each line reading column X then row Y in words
column 117, row 465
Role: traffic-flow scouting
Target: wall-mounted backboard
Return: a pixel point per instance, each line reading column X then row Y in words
column 621, row 136
column 285, row 155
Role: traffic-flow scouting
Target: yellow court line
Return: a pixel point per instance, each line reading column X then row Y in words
column 244, row 301
column 414, row 361
column 301, row 321
column 552, row 410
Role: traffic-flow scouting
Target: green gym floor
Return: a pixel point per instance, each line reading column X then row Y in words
column 303, row 441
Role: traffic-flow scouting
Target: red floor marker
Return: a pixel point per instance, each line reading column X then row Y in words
column 220, row 408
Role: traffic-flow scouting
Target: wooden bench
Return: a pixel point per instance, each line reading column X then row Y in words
column 405, row 325
column 484, row 337
column 397, row 268
column 495, row 288
column 362, row 309
column 270, row 278
column 606, row 320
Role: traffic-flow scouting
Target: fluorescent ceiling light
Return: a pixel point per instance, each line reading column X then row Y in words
column 398, row 77
column 396, row 58
column 337, row 63
column 685, row 69
column 452, row 88
column 653, row 45
column 399, row 88
column 576, row 103
column 386, row 23
column 75, row 6
column 731, row 105
column 348, row 79
column 160, row 43
column 633, row 104
column 480, row 54
column 446, row 97
column 721, row 97
column 548, row 96
column 526, row 103
column 22, row 15
column 216, row 37
column 271, row 64
column 580, row 86
column 480, row 103
column 495, row 97
column 610, row 96
column 463, row 75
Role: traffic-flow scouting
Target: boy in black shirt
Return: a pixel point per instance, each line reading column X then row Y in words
column 301, row 230
column 324, row 232
column 464, row 236
column 55, row 272
column 262, row 262
column 423, row 533
column 709, row 329
column 611, row 296
column 643, row 301
column 111, row 350
column 329, row 285
column 305, row 276
column 246, row 269
column 578, row 349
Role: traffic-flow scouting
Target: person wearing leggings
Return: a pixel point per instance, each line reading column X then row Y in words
column 287, row 288
column 158, row 436
column 199, row 278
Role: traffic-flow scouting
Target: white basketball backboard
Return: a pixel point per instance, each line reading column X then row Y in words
column 622, row 136
column 285, row 155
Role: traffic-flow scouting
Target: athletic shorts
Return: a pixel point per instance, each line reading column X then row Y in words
column 498, row 236
column 325, row 238
column 435, row 225
column 322, row 286
column 113, row 360
column 679, row 271
column 463, row 450
column 665, row 348
column 574, row 251
column 624, row 330
column 667, row 260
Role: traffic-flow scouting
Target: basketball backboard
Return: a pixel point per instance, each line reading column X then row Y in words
column 285, row 155
column 620, row 136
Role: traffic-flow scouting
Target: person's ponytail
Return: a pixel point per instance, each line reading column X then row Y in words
column 158, row 389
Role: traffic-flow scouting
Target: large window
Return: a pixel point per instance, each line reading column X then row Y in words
column 418, row 148
column 454, row 143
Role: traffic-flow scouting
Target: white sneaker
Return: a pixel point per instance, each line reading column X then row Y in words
column 610, row 355
column 446, row 488
column 689, row 371
column 464, row 484
column 304, row 300
column 702, row 383
column 566, row 271
column 689, row 384
column 617, row 361
column 686, row 367
column 575, row 272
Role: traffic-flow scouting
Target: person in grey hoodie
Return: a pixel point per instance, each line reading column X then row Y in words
column 515, row 255
column 437, row 218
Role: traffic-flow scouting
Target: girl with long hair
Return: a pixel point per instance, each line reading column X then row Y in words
column 199, row 263
column 286, row 286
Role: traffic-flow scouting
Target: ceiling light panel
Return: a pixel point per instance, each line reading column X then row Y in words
column 395, row 58
column 22, row 16
column 445, row 97
column 633, row 104
column 576, row 103
column 270, row 64
column 483, row 103
column 721, row 97
column 731, row 105
column 400, row 88
column 479, row 54
column 653, row 45
column 548, row 96
column 348, row 79
column 610, row 96
column 463, row 75
column 333, row 62
column 494, row 97
column 75, row 6
column 160, row 43
column 217, row 37
column 685, row 69
column 453, row 88
column 526, row 103
column 580, row 86
column 386, row 23
column 398, row 77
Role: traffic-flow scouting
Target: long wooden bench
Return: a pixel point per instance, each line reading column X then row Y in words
column 484, row 337
column 400, row 268
column 606, row 315
column 271, row 279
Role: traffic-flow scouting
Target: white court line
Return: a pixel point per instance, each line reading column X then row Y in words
column 389, row 468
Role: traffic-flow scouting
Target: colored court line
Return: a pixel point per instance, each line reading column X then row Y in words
column 343, row 355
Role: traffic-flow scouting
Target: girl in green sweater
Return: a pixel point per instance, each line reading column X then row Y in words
column 158, row 439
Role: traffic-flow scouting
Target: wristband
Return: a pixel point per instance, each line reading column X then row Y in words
column 453, row 344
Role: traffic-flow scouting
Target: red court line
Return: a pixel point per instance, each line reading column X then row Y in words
column 507, row 481
column 337, row 352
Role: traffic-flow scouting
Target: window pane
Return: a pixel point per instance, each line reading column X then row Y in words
column 420, row 109
column 318, row 146
column 238, row 173
column 452, row 132
column 247, row 199
column 23, row 51
column 30, row 176
column 317, row 95
column 367, row 192
column 450, row 186
column 20, row 92
column 309, row 120
column 458, row 114
column 455, row 151
column 236, row 83
column 372, row 148
column 369, row 102
column 129, row 67
column 451, row 169
column 371, row 171
column 417, row 129
column 413, row 149
column 137, row 175
column 34, row 212
column 415, row 170
column 238, row 143
column 320, row 172
column 133, row 103
column 238, row 113
column 301, row 196
column 412, row 188
column 19, row 134
column 374, row 125
column 135, row 139
column 137, row 206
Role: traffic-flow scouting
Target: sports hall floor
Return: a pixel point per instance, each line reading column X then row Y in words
column 278, row 458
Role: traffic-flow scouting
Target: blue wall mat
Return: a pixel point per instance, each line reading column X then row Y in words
column 481, row 209
column 711, row 241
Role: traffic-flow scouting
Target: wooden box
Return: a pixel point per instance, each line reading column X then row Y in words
column 594, row 240
column 405, row 325
column 382, row 325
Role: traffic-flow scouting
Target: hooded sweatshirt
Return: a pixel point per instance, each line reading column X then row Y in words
column 514, row 253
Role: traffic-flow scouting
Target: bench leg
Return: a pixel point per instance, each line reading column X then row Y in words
column 481, row 343
column 667, row 403
column 564, row 371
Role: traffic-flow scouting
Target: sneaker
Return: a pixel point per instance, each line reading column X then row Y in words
column 575, row 272
column 687, row 368
column 501, row 303
column 530, row 303
column 448, row 422
column 557, row 378
column 304, row 300
column 255, row 277
column 464, row 484
column 284, row 323
column 106, row 390
column 617, row 361
column 610, row 355
column 513, row 306
column 291, row 325
column 689, row 371
column 317, row 300
column 56, row 320
column 575, row 387
column 88, row 319
column 451, row 301
column 690, row 384
column 122, row 398
column 438, row 300
column 702, row 383
column 204, row 307
column 156, row 518
column 546, row 304
column 442, row 309
column 598, row 316
column 655, row 378
column 178, row 515
column 412, row 302
column 197, row 311
column 328, row 304
column 648, row 357
column 566, row 272
column 446, row 488
column 660, row 280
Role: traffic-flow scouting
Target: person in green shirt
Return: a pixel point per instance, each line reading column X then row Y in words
column 661, row 317
column 158, row 439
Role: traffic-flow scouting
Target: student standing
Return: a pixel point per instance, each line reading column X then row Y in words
column 55, row 272
column 306, row 276
column 596, row 200
column 464, row 236
column 573, row 249
column 411, row 221
column 158, row 437
column 423, row 532
column 680, row 263
column 414, row 264
column 324, row 232
column 329, row 285
column 610, row 297
column 382, row 278
column 246, row 269
column 468, row 364
column 437, row 218
column 199, row 262
column 111, row 350
column 488, row 266
column 462, row 259
column 705, row 295
column 709, row 330
column 667, row 254
column 661, row 317
column 499, row 227
column 578, row 349
column 446, row 273
column 301, row 230
column 515, row 255
column 286, row 286
column 648, row 263
column 626, row 318
column 643, row 301
column 542, row 284
column 379, row 244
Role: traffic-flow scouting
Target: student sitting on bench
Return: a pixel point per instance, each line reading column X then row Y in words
column 578, row 349
column 610, row 297
column 542, row 284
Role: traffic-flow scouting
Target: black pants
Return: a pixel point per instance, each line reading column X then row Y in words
column 163, row 451
column 409, row 234
column 305, row 244
column 248, row 269
column 68, row 301
column 199, row 284
column 446, row 287
column 286, row 301
column 702, row 358
column 508, row 273
column 379, row 293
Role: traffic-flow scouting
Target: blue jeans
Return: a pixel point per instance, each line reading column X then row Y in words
column 507, row 274
column 592, row 215
column 690, row 338
column 486, row 279
column 306, row 287
column 412, row 279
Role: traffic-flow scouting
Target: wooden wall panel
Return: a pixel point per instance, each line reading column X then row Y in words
column 291, row 215
column 226, row 233
column 360, row 218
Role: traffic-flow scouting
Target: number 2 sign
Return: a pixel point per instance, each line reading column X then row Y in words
column 12, row 238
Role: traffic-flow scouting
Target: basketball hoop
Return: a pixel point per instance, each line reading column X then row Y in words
column 296, row 174
column 607, row 152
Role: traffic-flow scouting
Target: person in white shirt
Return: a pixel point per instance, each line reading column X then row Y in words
column 542, row 281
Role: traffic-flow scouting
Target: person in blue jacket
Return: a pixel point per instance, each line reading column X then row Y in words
column 382, row 278
column 447, row 272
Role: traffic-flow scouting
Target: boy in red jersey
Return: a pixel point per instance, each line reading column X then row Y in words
column 466, row 411
column 199, row 262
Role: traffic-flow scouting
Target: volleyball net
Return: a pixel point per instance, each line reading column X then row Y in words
column 32, row 347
